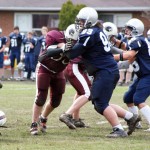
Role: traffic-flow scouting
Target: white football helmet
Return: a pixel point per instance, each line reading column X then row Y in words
column 110, row 29
column 7, row 62
column 148, row 32
column 136, row 26
column 88, row 15
column 21, row 66
column 71, row 32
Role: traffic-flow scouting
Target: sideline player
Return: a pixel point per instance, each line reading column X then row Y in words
column 15, row 49
column 29, row 44
column 3, row 41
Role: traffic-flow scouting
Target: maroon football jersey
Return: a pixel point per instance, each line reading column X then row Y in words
column 58, row 63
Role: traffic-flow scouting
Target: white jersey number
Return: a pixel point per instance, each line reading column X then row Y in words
column 104, row 41
column 148, row 45
column 136, row 66
column 13, row 42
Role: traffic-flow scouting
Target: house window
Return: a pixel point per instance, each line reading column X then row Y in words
column 121, row 19
column 24, row 21
column 118, row 19
column 106, row 17
column 34, row 21
column 49, row 20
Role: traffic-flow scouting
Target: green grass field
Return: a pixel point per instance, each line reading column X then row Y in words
column 16, row 100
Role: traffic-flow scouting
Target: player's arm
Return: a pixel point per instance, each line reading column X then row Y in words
column 77, row 50
column 128, row 55
column 4, row 44
column 118, row 43
column 116, row 50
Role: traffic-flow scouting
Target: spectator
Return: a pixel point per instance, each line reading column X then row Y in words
column 15, row 49
column 3, row 41
column 29, row 44
column 148, row 35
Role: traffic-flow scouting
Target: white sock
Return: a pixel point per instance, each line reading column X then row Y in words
column 128, row 115
column 118, row 126
column 133, row 109
column 146, row 112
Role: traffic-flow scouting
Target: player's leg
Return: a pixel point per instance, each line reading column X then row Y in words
column 32, row 66
column 122, row 77
column 105, row 82
column 42, row 85
column 57, row 89
column 26, row 61
column 129, row 117
column 128, row 75
column 1, row 68
column 140, row 96
column 81, row 83
column 12, row 59
column 128, row 99
column 18, row 55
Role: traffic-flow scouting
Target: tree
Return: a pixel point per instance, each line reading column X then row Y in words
column 68, row 14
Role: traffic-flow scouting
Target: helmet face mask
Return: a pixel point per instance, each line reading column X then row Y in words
column 136, row 27
column 110, row 29
column 71, row 34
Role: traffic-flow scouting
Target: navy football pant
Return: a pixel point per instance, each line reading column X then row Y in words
column 139, row 91
column 102, row 89
column 29, row 62
column 13, row 56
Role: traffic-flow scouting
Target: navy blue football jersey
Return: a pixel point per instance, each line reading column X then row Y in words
column 142, row 62
column 3, row 41
column 15, row 42
column 27, row 45
column 97, row 49
column 42, row 40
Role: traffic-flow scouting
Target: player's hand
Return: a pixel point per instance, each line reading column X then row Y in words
column 31, row 45
column 69, row 44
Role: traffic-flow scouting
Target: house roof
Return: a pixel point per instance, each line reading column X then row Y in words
column 55, row 5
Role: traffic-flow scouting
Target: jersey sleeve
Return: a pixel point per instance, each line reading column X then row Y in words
column 134, row 44
column 4, row 41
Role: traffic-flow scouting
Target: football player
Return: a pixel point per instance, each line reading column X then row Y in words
column 41, row 43
column 111, row 30
column 139, row 52
column 94, row 48
column 29, row 43
column 78, row 78
column 50, row 75
column 148, row 35
column 15, row 49
column 3, row 41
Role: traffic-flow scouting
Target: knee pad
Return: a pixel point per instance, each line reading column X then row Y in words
column 55, row 100
column 100, row 107
column 40, row 102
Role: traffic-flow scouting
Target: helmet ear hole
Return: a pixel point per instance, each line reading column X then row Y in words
column 89, row 24
column 134, row 32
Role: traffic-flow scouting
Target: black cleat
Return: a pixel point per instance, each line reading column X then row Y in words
column 132, row 123
column 34, row 128
column 67, row 119
column 42, row 123
column 117, row 133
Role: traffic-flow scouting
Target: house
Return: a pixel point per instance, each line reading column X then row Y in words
column 33, row 14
